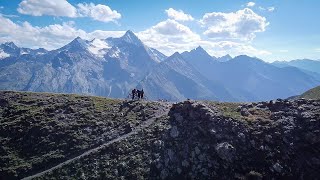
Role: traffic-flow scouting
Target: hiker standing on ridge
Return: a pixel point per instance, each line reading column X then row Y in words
column 133, row 93
column 141, row 93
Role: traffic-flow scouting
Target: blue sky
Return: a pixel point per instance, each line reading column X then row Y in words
column 268, row 29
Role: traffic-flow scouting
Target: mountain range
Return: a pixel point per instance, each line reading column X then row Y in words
column 111, row 67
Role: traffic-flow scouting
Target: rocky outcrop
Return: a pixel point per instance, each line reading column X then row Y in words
column 204, row 144
column 59, row 136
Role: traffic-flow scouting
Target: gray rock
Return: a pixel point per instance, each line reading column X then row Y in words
column 244, row 112
column 225, row 151
column 277, row 167
column 197, row 150
column 185, row 163
column 158, row 144
column 179, row 170
column 164, row 174
column 178, row 117
column 174, row 132
column 242, row 137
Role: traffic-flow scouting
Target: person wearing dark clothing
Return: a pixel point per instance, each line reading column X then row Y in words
column 141, row 94
column 133, row 93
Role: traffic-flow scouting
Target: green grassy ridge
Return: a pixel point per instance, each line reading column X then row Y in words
column 312, row 93
column 39, row 130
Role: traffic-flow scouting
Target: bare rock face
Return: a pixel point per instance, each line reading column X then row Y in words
column 203, row 144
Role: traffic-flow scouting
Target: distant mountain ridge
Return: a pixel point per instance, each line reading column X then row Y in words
column 113, row 66
column 108, row 67
column 305, row 64
column 176, row 79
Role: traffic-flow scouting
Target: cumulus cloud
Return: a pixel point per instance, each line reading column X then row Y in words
column 172, row 28
column 49, row 37
column 242, row 25
column 178, row 15
column 169, row 36
column 62, row 8
column 251, row 4
column 98, row 12
column 47, row 7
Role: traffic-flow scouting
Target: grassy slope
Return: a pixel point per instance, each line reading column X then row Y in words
column 231, row 110
column 39, row 130
column 312, row 93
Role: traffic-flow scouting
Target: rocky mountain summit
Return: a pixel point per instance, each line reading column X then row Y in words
column 57, row 136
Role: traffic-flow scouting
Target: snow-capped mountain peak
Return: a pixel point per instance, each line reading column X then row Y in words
column 199, row 48
column 130, row 37
column 10, row 45
column 225, row 58
column 79, row 41
column 75, row 45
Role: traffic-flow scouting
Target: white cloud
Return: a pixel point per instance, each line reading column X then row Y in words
column 317, row 50
column 169, row 36
column 221, row 48
column 251, row 4
column 47, row 7
column 271, row 9
column 98, row 12
column 172, row 28
column 49, row 37
column 178, row 15
column 61, row 8
column 9, row 15
column 3, row 54
column 243, row 24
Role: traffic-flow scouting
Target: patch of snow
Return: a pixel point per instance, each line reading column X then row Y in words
column 98, row 47
column 24, row 52
column 116, row 53
column 3, row 55
column 154, row 54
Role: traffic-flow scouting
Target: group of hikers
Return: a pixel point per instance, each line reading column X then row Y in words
column 135, row 93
